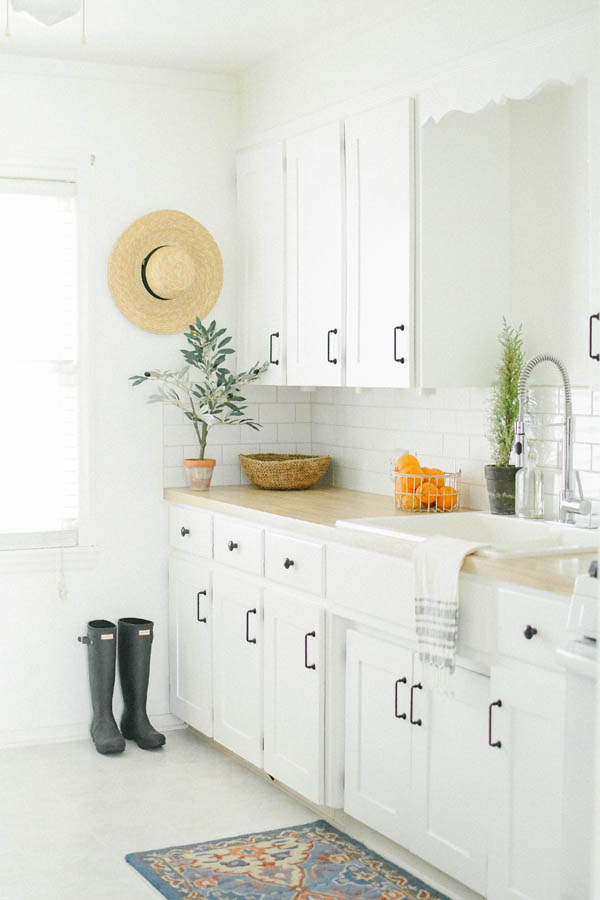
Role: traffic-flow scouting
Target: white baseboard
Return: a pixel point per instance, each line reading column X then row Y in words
column 59, row 734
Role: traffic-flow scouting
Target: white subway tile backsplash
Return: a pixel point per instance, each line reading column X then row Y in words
column 294, row 432
column 587, row 429
column 362, row 430
column 277, row 412
column 456, row 445
column 442, row 420
column 178, row 435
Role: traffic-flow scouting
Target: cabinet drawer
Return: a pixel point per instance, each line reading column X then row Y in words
column 296, row 563
column 238, row 544
column 378, row 586
column 530, row 628
column 190, row 530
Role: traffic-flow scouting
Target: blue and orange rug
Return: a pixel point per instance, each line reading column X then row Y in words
column 307, row 862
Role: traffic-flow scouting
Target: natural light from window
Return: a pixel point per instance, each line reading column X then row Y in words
column 39, row 448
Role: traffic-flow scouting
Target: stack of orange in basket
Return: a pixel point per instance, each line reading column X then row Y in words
column 419, row 487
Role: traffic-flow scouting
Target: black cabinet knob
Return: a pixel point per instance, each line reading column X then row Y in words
column 288, row 563
column 184, row 531
column 232, row 545
column 593, row 569
column 529, row 632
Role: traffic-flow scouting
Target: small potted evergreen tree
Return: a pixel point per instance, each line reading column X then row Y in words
column 205, row 391
column 500, row 477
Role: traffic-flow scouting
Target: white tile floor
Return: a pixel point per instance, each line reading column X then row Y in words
column 68, row 815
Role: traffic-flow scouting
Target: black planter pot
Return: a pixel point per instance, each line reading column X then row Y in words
column 501, row 489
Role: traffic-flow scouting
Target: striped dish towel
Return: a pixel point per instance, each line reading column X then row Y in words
column 437, row 563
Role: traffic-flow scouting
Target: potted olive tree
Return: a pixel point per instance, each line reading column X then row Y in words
column 500, row 476
column 205, row 391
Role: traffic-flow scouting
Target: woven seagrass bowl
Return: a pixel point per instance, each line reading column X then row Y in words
column 284, row 471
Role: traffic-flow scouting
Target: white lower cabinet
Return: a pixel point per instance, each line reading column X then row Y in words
column 378, row 735
column 294, row 715
column 190, row 643
column 238, row 664
column 450, row 803
column 469, row 780
column 415, row 760
column 526, row 762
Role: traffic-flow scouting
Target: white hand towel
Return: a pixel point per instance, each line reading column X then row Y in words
column 437, row 563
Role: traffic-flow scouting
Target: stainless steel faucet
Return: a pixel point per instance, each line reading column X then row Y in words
column 569, row 503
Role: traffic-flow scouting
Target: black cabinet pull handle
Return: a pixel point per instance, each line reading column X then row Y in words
column 198, row 606
column 249, row 612
column 288, row 562
column 231, row 546
column 274, row 362
column 593, row 355
column 414, row 687
column 396, row 713
column 184, row 531
column 329, row 333
column 396, row 357
column 529, row 632
column 492, row 743
column 306, row 637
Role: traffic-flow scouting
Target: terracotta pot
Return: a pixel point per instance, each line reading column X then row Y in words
column 199, row 473
column 501, row 489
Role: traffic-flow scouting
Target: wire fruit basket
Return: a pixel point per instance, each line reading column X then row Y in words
column 427, row 491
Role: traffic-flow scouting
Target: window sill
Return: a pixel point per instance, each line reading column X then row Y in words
column 48, row 559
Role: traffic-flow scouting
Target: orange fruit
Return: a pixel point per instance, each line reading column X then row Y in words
column 438, row 480
column 410, row 501
column 406, row 460
column 427, row 493
column 447, row 498
column 409, row 480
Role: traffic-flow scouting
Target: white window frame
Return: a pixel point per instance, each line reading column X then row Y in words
column 77, row 171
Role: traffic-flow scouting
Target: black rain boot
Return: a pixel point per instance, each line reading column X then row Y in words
column 101, row 639
column 135, row 645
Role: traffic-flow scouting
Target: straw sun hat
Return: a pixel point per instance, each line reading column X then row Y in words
column 165, row 270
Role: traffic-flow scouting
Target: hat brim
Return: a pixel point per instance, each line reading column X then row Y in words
column 160, row 228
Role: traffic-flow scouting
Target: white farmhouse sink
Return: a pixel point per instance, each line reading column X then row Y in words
column 505, row 536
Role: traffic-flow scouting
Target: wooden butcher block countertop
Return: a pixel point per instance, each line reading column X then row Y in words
column 321, row 508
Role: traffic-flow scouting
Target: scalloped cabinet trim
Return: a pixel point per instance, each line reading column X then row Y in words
column 514, row 70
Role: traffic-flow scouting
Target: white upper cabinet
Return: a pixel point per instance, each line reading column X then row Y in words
column 261, row 237
column 379, row 224
column 315, row 278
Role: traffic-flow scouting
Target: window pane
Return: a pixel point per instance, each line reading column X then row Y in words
column 39, row 483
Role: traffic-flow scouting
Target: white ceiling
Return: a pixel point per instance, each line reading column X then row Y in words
column 210, row 35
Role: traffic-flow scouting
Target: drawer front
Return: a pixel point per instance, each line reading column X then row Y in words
column 191, row 530
column 378, row 586
column 530, row 628
column 296, row 563
column 238, row 544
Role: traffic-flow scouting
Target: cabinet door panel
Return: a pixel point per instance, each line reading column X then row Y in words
column 315, row 285
column 294, row 693
column 190, row 644
column 450, row 777
column 261, row 240
column 378, row 743
column 238, row 666
column 526, row 781
column 379, row 192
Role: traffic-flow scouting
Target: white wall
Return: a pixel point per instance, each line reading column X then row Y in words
column 159, row 140
column 315, row 75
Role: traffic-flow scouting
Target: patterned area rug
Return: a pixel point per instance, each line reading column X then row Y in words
column 308, row 862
